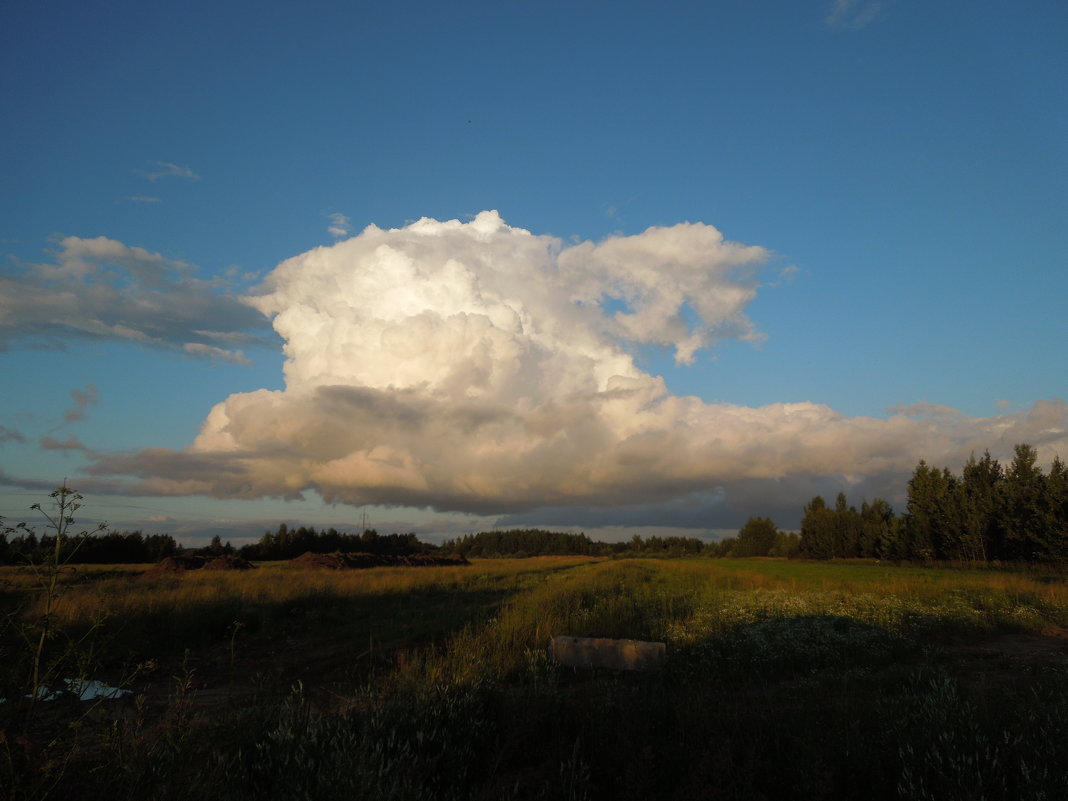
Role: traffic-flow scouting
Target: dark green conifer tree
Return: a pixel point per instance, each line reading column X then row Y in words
column 928, row 525
column 757, row 537
column 1023, row 512
column 878, row 530
column 817, row 530
column 979, row 496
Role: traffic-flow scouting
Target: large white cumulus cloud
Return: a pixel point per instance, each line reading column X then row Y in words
column 478, row 367
column 486, row 310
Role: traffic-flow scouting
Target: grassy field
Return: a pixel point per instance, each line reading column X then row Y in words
column 784, row 679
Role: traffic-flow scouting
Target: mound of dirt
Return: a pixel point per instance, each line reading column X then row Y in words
column 179, row 564
column 229, row 562
column 425, row 560
column 357, row 561
column 183, row 564
column 331, row 561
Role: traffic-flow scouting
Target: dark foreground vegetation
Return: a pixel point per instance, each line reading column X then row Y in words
column 784, row 680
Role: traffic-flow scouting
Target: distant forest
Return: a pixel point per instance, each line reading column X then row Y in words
column 538, row 542
column 110, row 548
column 288, row 543
column 986, row 513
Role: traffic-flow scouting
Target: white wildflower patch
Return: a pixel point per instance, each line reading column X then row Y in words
column 816, row 630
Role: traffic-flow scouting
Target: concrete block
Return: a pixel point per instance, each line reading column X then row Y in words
column 591, row 652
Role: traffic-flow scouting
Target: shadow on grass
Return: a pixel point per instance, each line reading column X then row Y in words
column 403, row 619
column 805, row 707
column 803, row 645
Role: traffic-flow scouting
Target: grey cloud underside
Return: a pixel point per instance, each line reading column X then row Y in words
column 727, row 506
column 369, row 447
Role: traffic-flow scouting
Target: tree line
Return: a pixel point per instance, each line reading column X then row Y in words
column 134, row 547
column 289, row 543
column 110, row 548
column 758, row 537
column 518, row 543
column 986, row 513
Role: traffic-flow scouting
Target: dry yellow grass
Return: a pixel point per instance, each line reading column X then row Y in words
column 91, row 592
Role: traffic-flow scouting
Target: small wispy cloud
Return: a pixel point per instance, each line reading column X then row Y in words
column 82, row 402
column 143, row 199
column 853, row 14
column 340, row 225
column 786, row 275
column 164, row 169
column 69, row 444
column 614, row 210
column 201, row 350
column 10, row 435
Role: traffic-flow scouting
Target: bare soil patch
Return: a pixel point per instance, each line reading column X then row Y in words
column 229, row 562
column 183, row 564
column 1050, row 642
column 358, row 561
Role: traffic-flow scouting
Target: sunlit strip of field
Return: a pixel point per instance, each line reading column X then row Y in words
column 541, row 597
column 692, row 603
column 175, row 610
column 783, row 680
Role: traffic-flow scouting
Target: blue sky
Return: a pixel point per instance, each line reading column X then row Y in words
column 901, row 169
